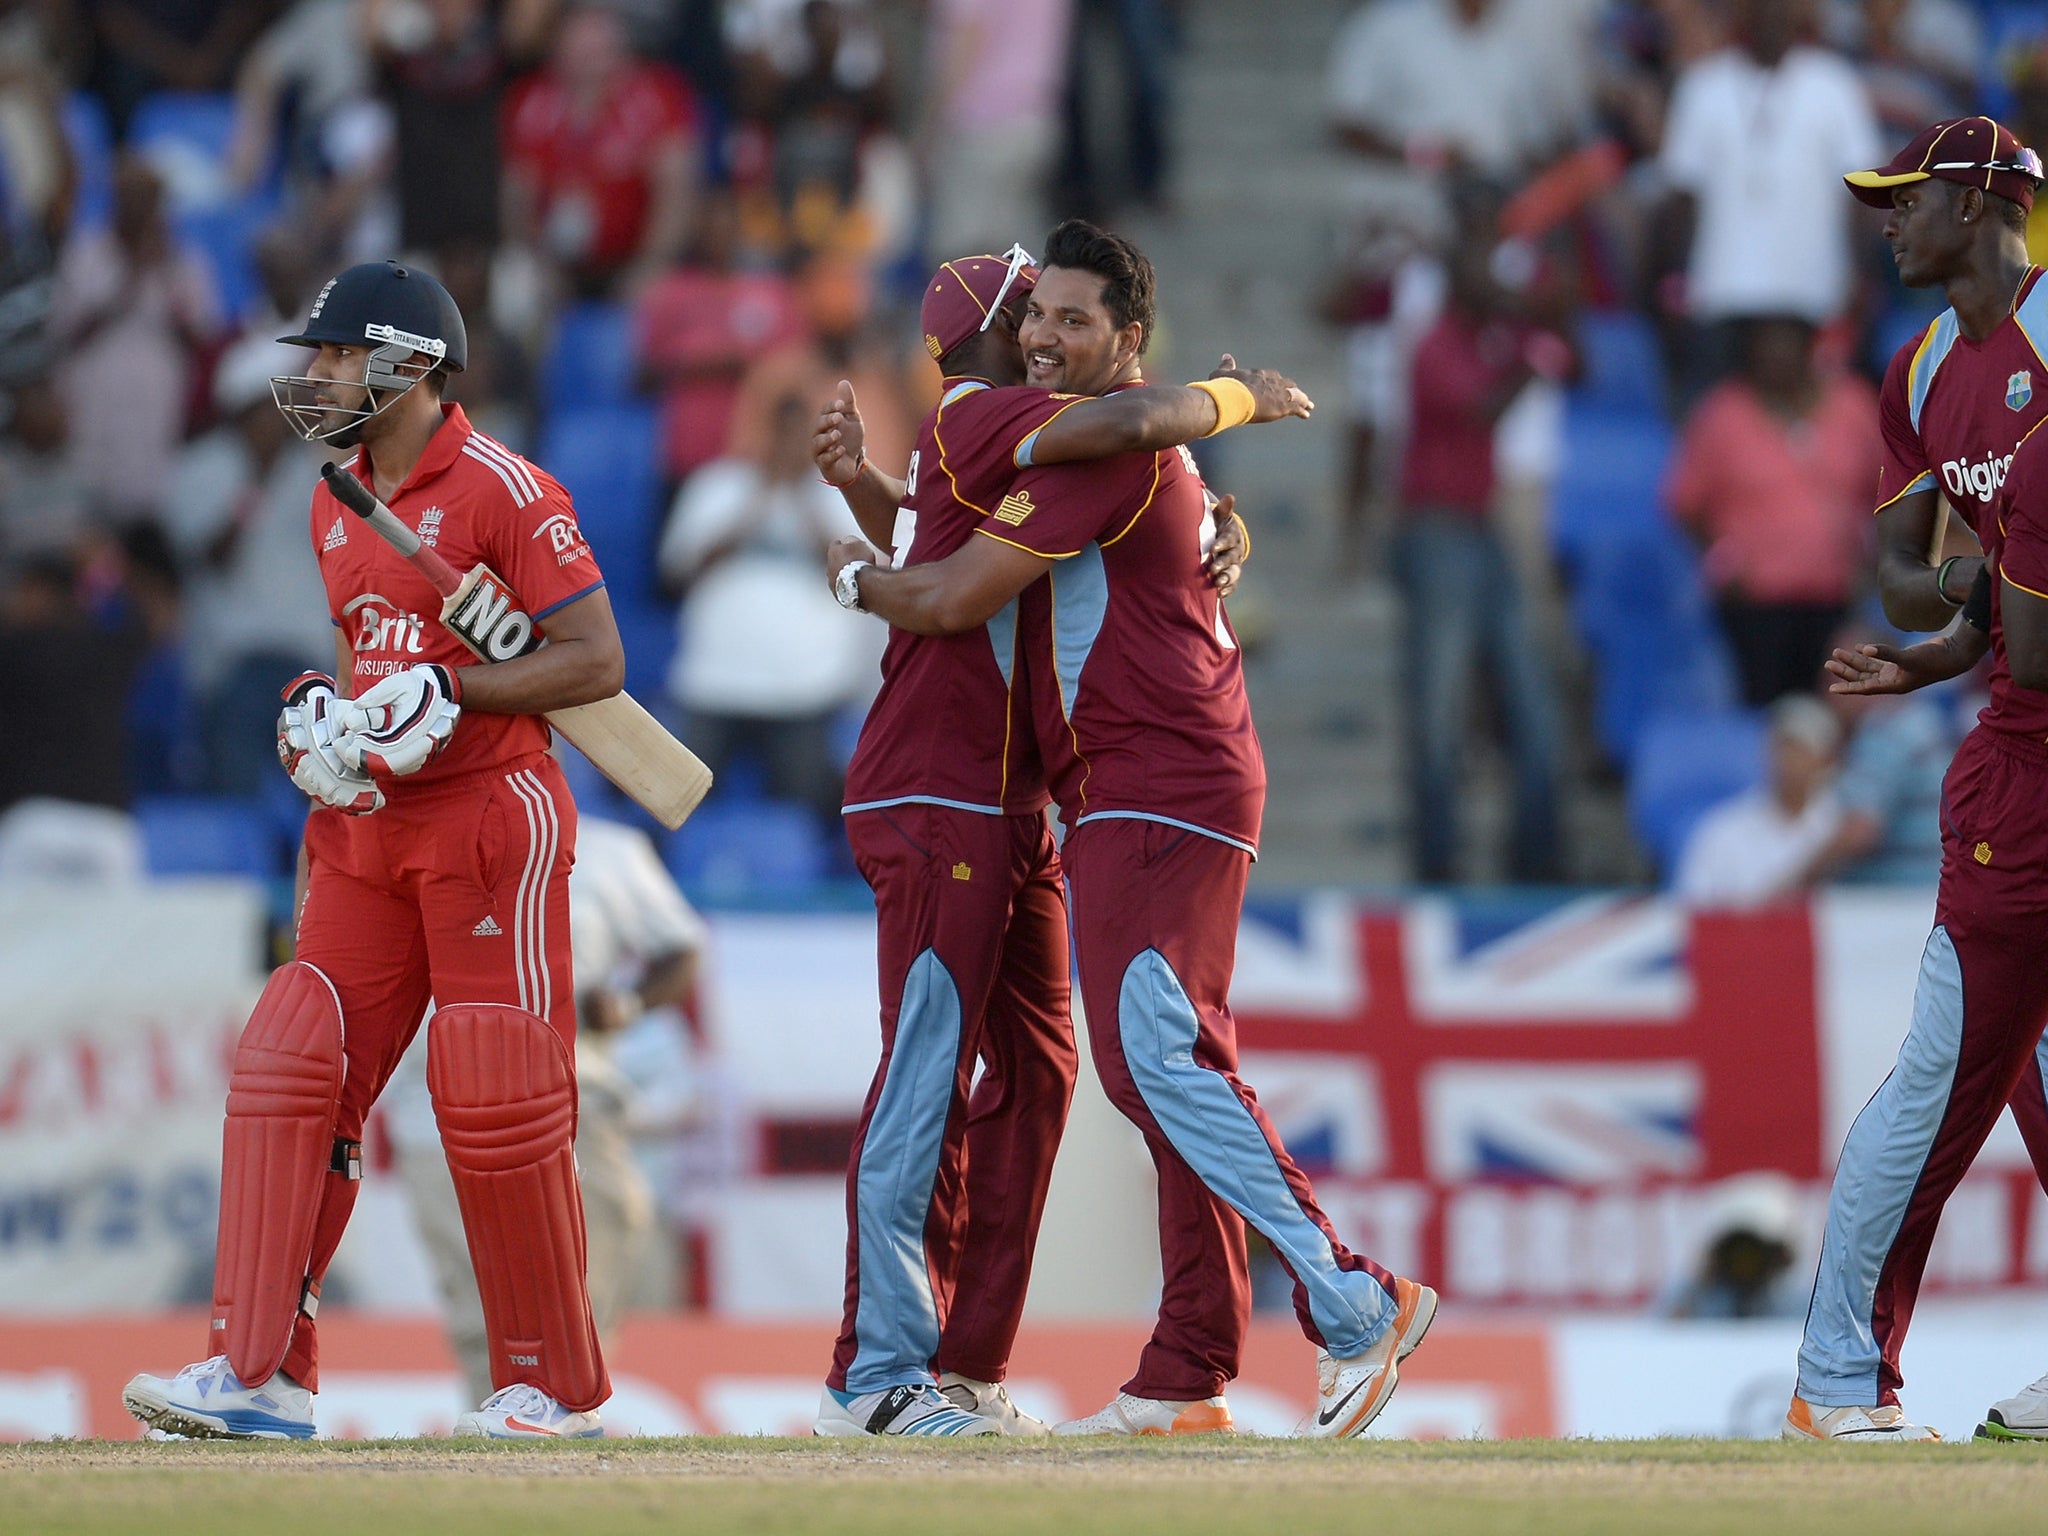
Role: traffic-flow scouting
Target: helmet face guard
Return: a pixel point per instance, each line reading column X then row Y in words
column 388, row 374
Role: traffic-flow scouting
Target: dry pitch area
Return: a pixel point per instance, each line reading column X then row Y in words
column 1251, row 1486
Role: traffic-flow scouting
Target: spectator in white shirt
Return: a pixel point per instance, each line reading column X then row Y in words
column 1759, row 137
column 767, row 657
column 1759, row 847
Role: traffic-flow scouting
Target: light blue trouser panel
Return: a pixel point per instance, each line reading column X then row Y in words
column 1881, row 1162
column 896, row 1321
column 1215, row 1134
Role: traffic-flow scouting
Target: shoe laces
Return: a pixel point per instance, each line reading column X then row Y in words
column 2036, row 1389
column 521, row 1398
column 213, row 1365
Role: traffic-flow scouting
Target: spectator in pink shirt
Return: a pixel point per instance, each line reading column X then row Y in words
column 697, row 331
column 1773, row 478
column 998, row 67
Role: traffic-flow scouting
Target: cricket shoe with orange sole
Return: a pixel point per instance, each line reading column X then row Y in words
column 1885, row 1424
column 524, row 1412
column 1352, row 1391
column 1128, row 1415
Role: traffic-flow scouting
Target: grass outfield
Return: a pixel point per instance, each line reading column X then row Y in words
column 1253, row 1486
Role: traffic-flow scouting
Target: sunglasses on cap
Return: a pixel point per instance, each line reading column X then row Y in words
column 1019, row 259
column 2026, row 163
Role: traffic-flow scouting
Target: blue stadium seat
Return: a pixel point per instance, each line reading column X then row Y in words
column 648, row 631
column 605, row 456
column 590, row 360
column 1611, row 481
column 756, row 848
column 1687, row 762
column 205, row 835
column 91, row 138
column 186, row 135
column 1624, row 372
column 226, row 235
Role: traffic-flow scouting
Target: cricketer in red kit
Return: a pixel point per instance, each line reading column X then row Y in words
column 436, row 868
column 1141, row 717
column 945, row 809
column 1960, row 410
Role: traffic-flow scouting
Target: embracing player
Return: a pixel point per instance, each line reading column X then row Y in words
column 1960, row 410
column 945, row 809
column 1140, row 715
column 437, row 863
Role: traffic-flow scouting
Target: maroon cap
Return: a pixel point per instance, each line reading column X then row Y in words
column 1972, row 150
column 964, row 294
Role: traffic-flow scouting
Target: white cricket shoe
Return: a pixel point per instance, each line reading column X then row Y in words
column 2023, row 1417
column 1886, row 1424
column 207, row 1401
column 1128, row 1415
column 1351, row 1391
column 524, row 1412
column 989, row 1400
column 918, row 1410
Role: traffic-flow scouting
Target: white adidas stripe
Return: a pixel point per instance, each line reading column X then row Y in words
column 529, row 916
column 519, row 497
column 520, row 470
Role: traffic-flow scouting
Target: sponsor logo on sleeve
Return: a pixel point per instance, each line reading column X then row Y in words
column 1014, row 508
column 564, row 537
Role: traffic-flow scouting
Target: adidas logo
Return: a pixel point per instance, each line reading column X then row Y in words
column 487, row 929
column 336, row 536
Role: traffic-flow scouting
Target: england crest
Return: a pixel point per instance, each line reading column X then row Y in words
column 2019, row 389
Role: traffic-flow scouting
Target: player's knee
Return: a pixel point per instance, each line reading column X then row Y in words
column 503, row 1084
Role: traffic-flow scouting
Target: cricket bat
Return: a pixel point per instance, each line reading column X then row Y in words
column 623, row 742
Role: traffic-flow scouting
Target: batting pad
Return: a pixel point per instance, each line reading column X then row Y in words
column 277, row 1151
column 504, row 1094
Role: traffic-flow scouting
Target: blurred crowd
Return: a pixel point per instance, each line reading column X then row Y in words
column 673, row 225
column 1613, row 332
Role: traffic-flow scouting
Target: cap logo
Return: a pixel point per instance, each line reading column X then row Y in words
column 320, row 303
column 931, row 345
column 431, row 345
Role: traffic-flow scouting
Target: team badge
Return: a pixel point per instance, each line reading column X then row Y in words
column 2019, row 389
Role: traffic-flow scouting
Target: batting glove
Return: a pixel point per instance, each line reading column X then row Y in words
column 305, row 746
column 401, row 725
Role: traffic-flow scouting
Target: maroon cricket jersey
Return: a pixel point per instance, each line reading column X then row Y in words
column 1952, row 410
column 951, row 724
column 1137, row 684
column 2016, row 545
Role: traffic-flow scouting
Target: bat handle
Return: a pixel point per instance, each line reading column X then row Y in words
column 363, row 501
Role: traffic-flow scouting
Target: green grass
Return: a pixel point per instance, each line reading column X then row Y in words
column 1259, row 1487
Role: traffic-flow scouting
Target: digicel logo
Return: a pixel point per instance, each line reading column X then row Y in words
column 1981, row 479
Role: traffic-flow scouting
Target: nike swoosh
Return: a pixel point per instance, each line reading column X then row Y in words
column 1328, row 1416
column 513, row 1422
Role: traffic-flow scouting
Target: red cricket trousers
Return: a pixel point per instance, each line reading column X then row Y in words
column 944, row 1191
column 456, row 891
column 1156, row 909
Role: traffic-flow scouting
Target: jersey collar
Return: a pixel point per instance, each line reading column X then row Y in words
column 441, row 451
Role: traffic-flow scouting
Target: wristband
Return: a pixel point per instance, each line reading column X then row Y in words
column 1941, row 580
column 451, row 682
column 860, row 462
column 1977, row 606
column 846, row 585
column 1235, row 403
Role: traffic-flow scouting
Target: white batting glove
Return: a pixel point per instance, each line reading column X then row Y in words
column 305, row 746
column 401, row 724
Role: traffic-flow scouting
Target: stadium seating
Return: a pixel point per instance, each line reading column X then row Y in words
column 590, row 360
column 748, row 849
column 91, row 138
column 1686, row 762
column 186, row 135
column 606, row 457
column 204, row 835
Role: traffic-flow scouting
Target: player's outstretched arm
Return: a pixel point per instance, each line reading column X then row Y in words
column 1921, row 591
column 940, row 597
column 1146, row 420
column 838, row 448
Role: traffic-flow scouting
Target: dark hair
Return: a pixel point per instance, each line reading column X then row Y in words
column 1127, row 281
column 2010, row 213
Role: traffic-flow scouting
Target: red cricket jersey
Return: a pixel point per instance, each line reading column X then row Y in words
column 2018, row 551
column 952, row 723
column 1137, row 685
column 475, row 501
column 593, row 175
column 1952, row 410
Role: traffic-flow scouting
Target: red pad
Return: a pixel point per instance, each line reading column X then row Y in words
column 504, row 1093
column 276, row 1155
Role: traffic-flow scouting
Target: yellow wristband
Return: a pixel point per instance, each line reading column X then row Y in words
column 1234, row 402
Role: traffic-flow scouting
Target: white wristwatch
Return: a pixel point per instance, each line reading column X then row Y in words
column 846, row 585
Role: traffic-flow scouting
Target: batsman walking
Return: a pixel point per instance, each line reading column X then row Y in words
column 437, row 865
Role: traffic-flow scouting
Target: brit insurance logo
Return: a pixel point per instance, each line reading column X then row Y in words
column 564, row 537
column 2019, row 389
column 375, row 624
